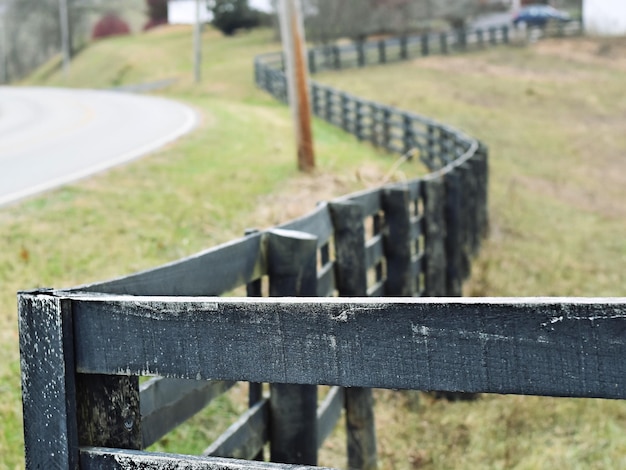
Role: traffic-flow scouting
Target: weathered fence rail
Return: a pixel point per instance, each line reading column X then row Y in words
column 83, row 349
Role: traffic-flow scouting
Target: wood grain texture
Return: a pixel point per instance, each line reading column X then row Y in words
column 108, row 411
column 211, row 272
column 434, row 238
column 48, row 385
column 96, row 458
column 350, row 270
column 292, row 271
column 401, row 281
column 557, row 347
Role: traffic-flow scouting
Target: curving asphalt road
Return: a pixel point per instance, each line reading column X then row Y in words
column 51, row 136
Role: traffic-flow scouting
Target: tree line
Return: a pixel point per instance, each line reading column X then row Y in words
column 31, row 30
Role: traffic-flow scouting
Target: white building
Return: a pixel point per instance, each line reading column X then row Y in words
column 184, row 11
column 604, row 17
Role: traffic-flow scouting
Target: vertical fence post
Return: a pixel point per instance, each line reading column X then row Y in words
column 358, row 119
column 434, row 237
column 453, row 236
column 352, row 281
column 360, row 54
column 315, row 98
column 401, row 280
column 328, row 108
column 467, row 202
column 480, row 39
column 386, row 127
column 292, row 270
column 337, row 57
column 312, row 63
column 425, row 44
column 108, row 411
column 344, row 112
column 382, row 52
column 255, row 389
column 505, row 34
column 407, row 132
column 482, row 160
column 404, row 53
column 48, row 384
column 443, row 42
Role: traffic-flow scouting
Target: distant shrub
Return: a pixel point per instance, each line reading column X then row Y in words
column 110, row 25
column 231, row 15
column 157, row 13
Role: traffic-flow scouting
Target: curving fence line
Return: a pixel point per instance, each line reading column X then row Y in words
column 84, row 349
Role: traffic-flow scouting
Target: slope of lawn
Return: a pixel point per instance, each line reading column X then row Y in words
column 553, row 115
column 237, row 170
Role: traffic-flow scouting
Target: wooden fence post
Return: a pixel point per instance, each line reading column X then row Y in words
column 292, row 268
column 482, row 161
column 466, row 203
column 425, row 46
column 108, row 411
column 351, row 278
column 360, row 54
column 312, row 63
column 382, row 52
column 336, row 57
column 48, row 383
column 255, row 390
column 452, row 207
column 434, row 237
column 401, row 280
column 443, row 43
column 404, row 53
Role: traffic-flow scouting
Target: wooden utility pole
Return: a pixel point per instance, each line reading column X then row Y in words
column 4, row 48
column 65, row 35
column 292, row 32
column 197, row 45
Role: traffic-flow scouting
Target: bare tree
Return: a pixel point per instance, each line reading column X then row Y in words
column 32, row 29
column 327, row 20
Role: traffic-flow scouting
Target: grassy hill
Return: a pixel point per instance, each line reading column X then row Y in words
column 552, row 116
column 237, row 170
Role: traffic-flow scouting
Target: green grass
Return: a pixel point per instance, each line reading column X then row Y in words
column 201, row 191
column 553, row 117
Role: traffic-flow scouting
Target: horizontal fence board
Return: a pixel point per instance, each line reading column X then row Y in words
column 326, row 283
column 377, row 289
column 370, row 200
column 328, row 413
column 556, row 347
column 211, row 272
column 374, row 250
column 167, row 403
column 316, row 223
column 246, row 437
column 97, row 458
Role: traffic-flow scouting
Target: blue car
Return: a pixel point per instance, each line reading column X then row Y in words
column 539, row 15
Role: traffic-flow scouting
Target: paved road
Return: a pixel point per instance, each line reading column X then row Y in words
column 51, row 136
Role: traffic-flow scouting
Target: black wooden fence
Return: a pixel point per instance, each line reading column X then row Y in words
column 84, row 349
column 384, row 126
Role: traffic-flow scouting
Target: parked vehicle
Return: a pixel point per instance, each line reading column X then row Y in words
column 539, row 15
